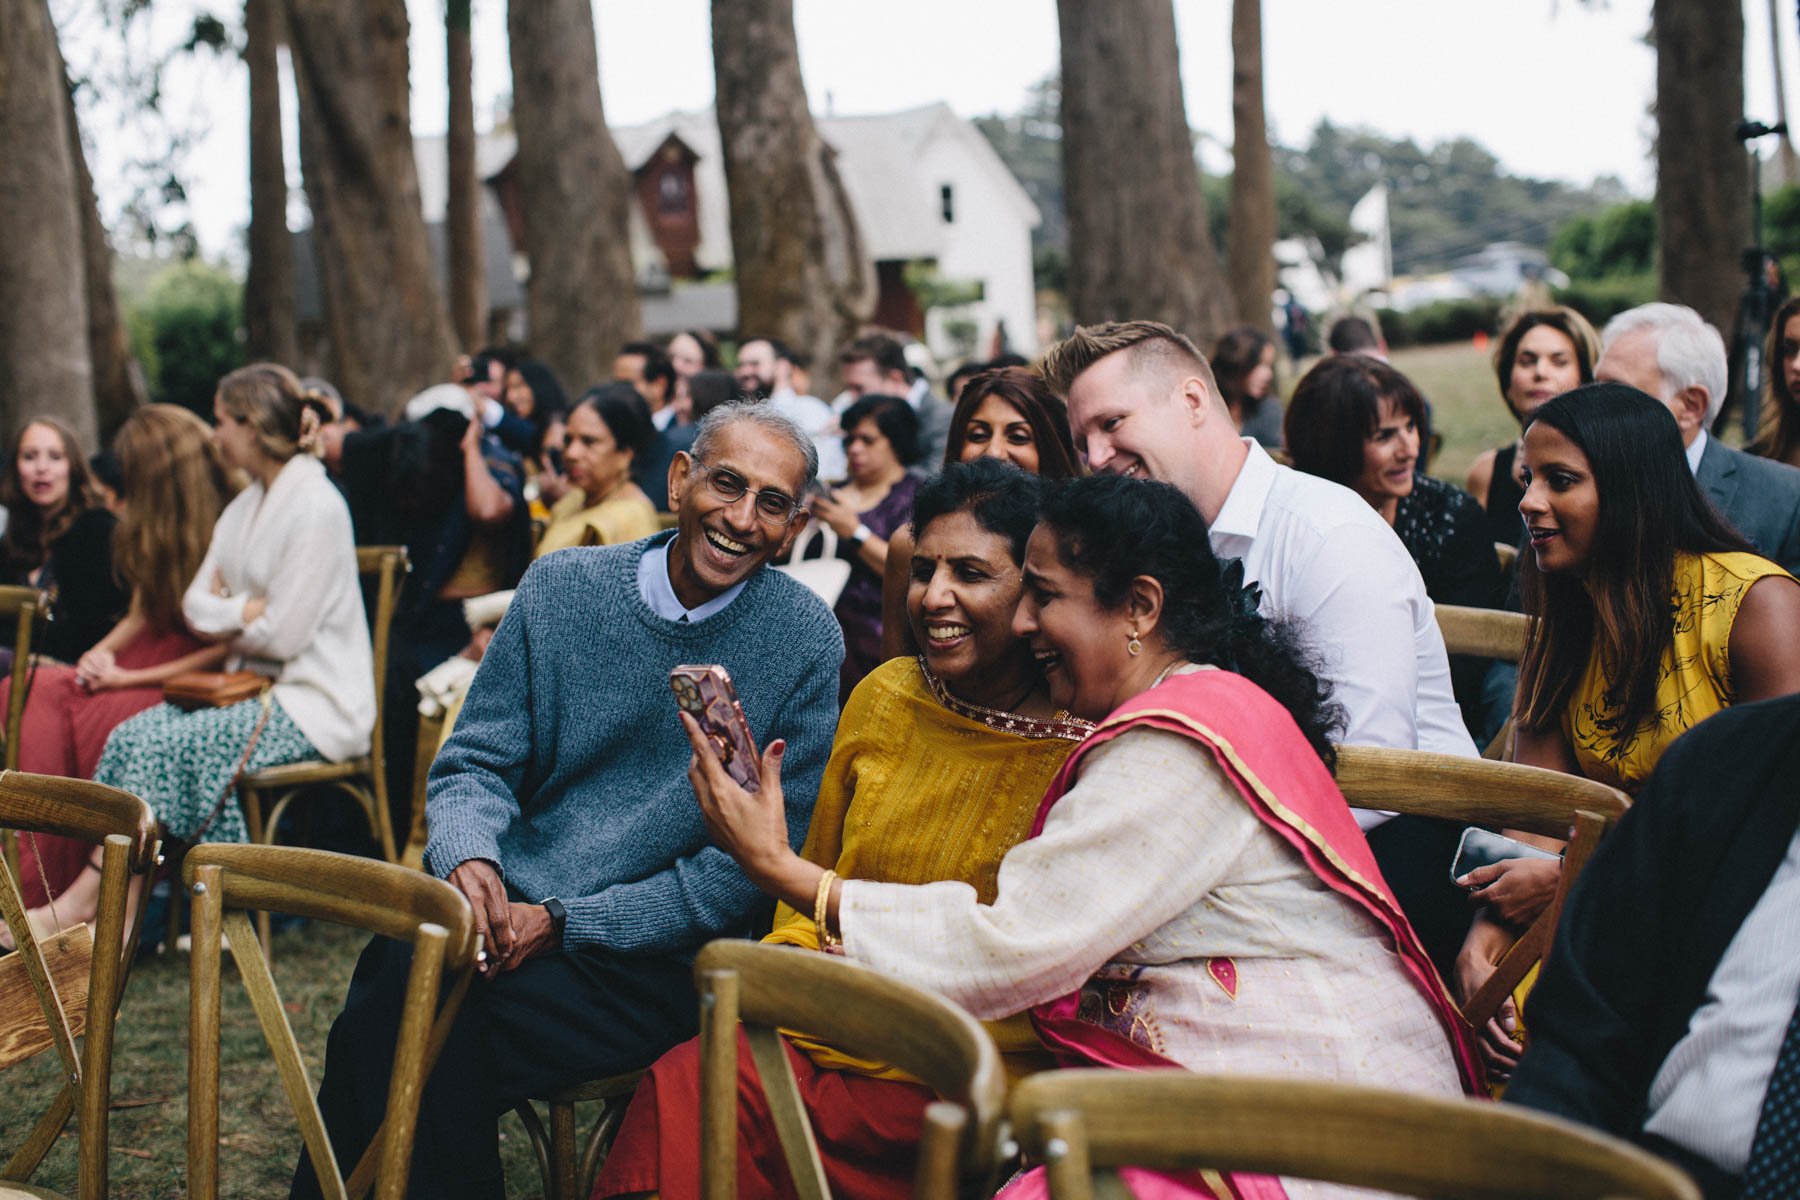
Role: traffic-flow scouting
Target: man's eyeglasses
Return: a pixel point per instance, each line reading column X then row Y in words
column 729, row 486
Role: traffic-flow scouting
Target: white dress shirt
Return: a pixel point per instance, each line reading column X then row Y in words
column 1708, row 1093
column 1326, row 559
column 1694, row 450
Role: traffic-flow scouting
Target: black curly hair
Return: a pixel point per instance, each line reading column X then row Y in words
column 1003, row 500
column 1206, row 615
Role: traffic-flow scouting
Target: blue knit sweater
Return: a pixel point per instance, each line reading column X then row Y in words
column 568, row 766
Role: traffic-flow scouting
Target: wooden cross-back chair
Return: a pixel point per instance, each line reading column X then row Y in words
column 1084, row 1124
column 1494, row 795
column 57, row 988
column 227, row 881
column 858, row 1011
column 363, row 778
column 24, row 607
column 1486, row 633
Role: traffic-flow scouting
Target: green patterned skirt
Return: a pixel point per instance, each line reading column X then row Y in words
column 178, row 761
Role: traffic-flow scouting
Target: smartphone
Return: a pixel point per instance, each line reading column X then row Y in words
column 819, row 488
column 1480, row 848
column 705, row 693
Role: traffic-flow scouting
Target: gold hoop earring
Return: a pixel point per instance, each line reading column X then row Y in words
column 1134, row 647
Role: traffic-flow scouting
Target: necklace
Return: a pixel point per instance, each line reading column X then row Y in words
column 1062, row 725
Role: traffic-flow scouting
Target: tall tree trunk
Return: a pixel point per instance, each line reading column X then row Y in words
column 1250, row 255
column 575, row 194
column 389, row 333
column 45, row 364
column 1702, row 173
column 1787, row 163
column 269, row 321
column 468, row 278
column 1138, row 239
column 803, row 274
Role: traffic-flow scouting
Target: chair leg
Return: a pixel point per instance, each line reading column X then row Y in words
column 562, row 1151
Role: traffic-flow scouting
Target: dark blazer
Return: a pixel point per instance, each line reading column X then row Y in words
column 1758, row 495
column 1648, row 921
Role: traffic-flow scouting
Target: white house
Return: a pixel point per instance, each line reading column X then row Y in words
column 929, row 192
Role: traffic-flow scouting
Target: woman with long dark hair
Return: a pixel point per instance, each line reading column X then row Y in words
column 1196, row 892
column 1648, row 614
column 1778, row 434
column 58, row 538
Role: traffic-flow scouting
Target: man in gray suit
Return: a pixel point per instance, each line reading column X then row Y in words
column 1669, row 352
column 876, row 364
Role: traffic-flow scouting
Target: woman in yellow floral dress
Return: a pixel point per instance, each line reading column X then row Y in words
column 1649, row 614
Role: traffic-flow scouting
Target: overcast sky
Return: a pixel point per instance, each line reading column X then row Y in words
column 1555, row 88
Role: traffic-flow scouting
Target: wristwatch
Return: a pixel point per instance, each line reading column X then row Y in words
column 860, row 534
column 559, row 916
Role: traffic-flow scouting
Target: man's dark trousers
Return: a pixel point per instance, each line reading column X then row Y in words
column 558, row 1019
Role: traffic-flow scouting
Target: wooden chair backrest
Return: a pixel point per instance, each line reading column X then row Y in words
column 388, row 565
column 1484, row 632
column 57, row 988
column 1507, row 554
column 25, row 606
column 862, row 1013
column 1495, row 795
column 1086, row 1123
column 226, row 882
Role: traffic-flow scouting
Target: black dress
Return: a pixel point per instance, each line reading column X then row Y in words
column 1503, row 496
column 86, row 600
column 1449, row 538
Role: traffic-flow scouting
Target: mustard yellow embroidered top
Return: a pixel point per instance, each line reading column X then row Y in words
column 916, row 793
column 1693, row 679
column 624, row 514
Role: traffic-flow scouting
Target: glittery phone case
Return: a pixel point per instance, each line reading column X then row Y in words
column 705, row 693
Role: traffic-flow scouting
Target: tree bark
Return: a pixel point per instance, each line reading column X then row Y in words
column 575, row 194
column 1702, row 172
column 468, row 267
column 389, row 333
column 1250, row 255
column 45, row 363
column 1139, row 246
column 1787, row 163
column 269, row 322
column 803, row 274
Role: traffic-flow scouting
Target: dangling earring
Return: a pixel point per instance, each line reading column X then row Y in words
column 1134, row 647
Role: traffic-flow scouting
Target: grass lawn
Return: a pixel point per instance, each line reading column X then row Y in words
column 313, row 963
column 258, row 1139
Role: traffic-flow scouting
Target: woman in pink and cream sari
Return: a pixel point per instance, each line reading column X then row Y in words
column 1196, row 892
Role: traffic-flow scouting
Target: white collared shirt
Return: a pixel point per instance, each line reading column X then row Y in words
column 659, row 592
column 1695, row 449
column 1326, row 559
column 1708, row 1093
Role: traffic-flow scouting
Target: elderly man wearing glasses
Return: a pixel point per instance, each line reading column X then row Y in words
column 561, row 806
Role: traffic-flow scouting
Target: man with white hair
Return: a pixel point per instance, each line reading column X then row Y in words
column 1669, row 352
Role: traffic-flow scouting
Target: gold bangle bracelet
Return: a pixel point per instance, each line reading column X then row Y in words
column 821, row 909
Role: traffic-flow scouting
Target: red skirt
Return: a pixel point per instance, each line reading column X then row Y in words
column 64, row 730
column 868, row 1131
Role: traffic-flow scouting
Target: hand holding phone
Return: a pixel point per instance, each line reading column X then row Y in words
column 1481, row 848
column 705, row 692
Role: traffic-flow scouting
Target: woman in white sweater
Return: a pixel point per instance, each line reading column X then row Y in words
column 279, row 585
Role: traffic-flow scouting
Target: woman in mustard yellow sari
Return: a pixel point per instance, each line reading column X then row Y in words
column 938, row 768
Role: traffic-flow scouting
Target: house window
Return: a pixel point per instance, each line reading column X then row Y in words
column 947, row 203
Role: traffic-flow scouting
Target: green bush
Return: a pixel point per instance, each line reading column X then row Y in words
column 1600, row 300
column 1441, row 321
column 1619, row 241
column 187, row 330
